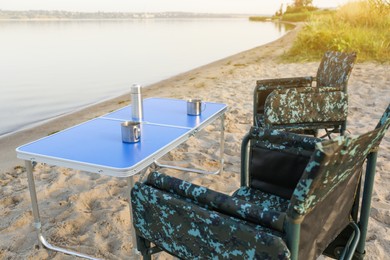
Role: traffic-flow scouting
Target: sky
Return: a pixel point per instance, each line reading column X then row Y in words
column 208, row 6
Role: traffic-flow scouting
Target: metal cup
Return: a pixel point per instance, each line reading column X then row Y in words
column 131, row 132
column 194, row 107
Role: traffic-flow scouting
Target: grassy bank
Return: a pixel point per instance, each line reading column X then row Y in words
column 357, row 26
column 299, row 16
column 305, row 16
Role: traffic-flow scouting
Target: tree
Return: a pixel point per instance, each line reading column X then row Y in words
column 303, row 3
column 280, row 12
column 302, row 6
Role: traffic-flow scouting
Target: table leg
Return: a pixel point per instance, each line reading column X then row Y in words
column 130, row 184
column 222, row 143
column 37, row 219
column 34, row 201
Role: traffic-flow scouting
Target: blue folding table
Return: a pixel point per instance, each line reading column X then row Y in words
column 96, row 146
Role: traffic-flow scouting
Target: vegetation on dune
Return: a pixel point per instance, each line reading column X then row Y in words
column 361, row 26
column 305, row 15
column 299, row 11
column 357, row 26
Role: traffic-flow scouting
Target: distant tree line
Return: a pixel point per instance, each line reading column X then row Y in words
column 44, row 14
column 298, row 6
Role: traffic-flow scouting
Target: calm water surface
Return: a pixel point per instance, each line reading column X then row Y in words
column 51, row 68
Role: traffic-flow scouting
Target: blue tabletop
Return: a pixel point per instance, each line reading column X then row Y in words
column 97, row 146
column 99, row 143
column 172, row 112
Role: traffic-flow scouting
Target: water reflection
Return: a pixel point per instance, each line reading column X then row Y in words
column 53, row 67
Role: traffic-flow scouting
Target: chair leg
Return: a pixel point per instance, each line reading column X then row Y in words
column 143, row 247
column 244, row 161
column 293, row 235
column 350, row 247
column 366, row 200
column 343, row 128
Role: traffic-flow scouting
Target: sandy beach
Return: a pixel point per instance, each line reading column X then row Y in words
column 89, row 213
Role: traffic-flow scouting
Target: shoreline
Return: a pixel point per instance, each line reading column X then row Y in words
column 10, row 141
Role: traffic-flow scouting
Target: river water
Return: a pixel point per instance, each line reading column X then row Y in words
column 50, row 68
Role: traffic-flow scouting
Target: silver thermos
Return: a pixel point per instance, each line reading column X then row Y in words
column 137, row 112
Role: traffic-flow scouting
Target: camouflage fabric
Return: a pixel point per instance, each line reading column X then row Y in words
column 280, row 83
column 262, row 199
column 385, row 118
column 335, row 68
column 217, row 201
column 332, row 162
column 334, row 71
column 265, row 87
column 191, row 230
column 283, row 141
column 306, row 106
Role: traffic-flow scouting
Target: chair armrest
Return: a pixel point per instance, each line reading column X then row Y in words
column 310, row 90
column 284, row 82
column 321, row 105
column 219, row 202
column 275, row 140
column 265, row 87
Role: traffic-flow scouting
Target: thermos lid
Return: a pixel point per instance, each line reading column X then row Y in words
column 136, row 89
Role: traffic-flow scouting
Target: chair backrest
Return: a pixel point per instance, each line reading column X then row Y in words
column 325, row 194
column 332, row 162
column 384, row 119
column 335, row 68
column 268, row 148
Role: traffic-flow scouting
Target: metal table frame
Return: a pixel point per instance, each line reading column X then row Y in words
column 32, row 156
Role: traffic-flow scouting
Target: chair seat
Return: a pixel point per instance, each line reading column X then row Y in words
column 262, row 199
column 188, row 228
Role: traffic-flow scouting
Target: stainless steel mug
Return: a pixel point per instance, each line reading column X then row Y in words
column 131, row 132
column 194, row 107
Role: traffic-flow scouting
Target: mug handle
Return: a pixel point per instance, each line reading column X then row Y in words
column 136, row 132
column 203, row 107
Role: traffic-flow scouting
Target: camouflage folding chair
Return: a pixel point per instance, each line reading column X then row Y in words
column 297, row 194
column 323, row 105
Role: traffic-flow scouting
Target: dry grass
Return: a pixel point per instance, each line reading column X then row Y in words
column 357, row 26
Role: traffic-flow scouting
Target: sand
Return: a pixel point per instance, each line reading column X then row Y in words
column 89, row 213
